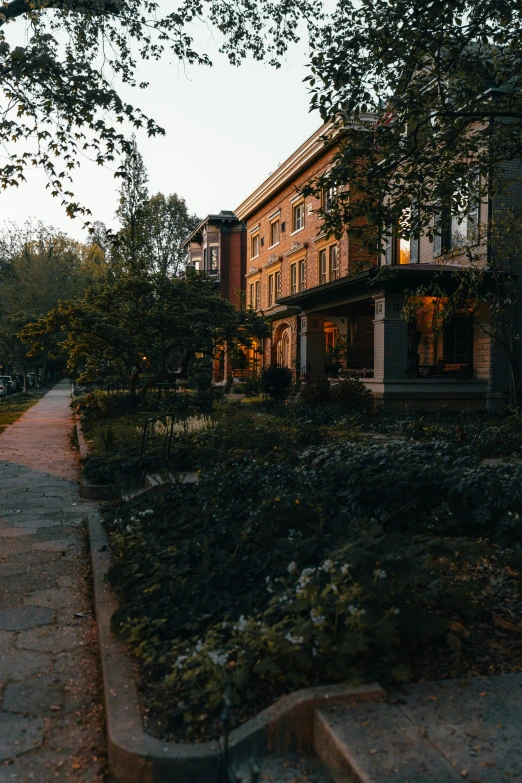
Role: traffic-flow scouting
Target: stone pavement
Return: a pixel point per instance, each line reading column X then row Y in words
column 51, row 715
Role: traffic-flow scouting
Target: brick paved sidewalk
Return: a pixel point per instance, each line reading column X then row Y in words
column 50, row 691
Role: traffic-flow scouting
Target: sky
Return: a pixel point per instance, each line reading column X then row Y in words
column 227, row 129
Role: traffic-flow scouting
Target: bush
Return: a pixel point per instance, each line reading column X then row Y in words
column 315, row 392
column 353, row 395
column 276, row 382
column 252, row 387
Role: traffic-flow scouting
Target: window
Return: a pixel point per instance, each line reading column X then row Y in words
column 270, row 290
column 214, row 253
column 456, row 230
column 293, row 279
column 252, row 296
column 298, row 216
column 258, row 296
column 278, row 284
column 458, row 339
column 302, row 275
column 283, row 227
column 329, row 196
column 254, row 246
column 323, row 272
column 334, row 262
column 274, row 232
column 205, row 257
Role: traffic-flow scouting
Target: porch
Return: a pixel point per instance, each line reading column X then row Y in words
column 426, row 363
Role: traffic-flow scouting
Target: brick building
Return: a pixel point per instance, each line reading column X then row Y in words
column 217, row 246
column 319, row 292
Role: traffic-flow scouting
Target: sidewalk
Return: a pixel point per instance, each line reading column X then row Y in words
column 50, row 691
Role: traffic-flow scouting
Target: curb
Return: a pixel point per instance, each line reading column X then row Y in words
column 137, row 757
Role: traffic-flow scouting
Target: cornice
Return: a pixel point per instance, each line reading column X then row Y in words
column 313, row 147
column 297, row 249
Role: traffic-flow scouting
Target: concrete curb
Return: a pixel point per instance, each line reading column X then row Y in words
column 136, row 757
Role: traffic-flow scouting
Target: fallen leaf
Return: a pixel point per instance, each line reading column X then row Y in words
column 497, row 646
column 459, row 628
column 506, row 624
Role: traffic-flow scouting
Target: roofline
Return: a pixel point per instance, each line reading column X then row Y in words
column 209, row 219
column 314, row 146
column 309, row 150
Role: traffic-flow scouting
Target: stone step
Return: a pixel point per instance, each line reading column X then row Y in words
column 377, row 743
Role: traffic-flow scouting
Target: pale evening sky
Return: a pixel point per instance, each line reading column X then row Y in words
column 226, row 128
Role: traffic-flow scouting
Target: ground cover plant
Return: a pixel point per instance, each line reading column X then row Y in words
column 11, row 408
column 309, row 553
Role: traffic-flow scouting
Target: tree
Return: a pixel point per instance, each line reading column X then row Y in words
column 145, row 321
column 60, row 78
column 169, row 224
column 39, row 266
column 130, row 248
column 427, row 98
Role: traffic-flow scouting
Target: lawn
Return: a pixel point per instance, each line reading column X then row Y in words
column 312, row 551
column 11, row 408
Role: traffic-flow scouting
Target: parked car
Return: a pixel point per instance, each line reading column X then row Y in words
column 8, row 383
column 3, row 390
column 19, row 380
column 31, row 379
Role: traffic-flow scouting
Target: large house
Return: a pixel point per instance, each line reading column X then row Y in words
column 320, row 292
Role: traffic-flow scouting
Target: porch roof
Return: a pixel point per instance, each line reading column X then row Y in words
column 369, row 283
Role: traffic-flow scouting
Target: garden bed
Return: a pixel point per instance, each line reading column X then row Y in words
column 309, row 554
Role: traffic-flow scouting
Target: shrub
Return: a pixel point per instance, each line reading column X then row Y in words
column 353, row 395
column 252, row 387
column 276, row 382
column 315, row 392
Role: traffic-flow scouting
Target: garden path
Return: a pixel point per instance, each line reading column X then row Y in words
column 50, row 690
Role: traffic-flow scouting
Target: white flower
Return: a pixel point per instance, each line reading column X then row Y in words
column 344, row 568
column 335, row 589
column 396, row 611
column 353, row 609
column 218, row 658
column 307, row 571
column 317, row 619
column 327, row 565
column 224, row 624
column 314, row 652
column 179, row 661
column 295, row 640
column 379, row 574
column 241, row 623
column 292, row 567
column 128, row 529
column 199, row 645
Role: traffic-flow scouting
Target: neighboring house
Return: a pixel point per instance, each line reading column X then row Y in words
column 217, row 246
